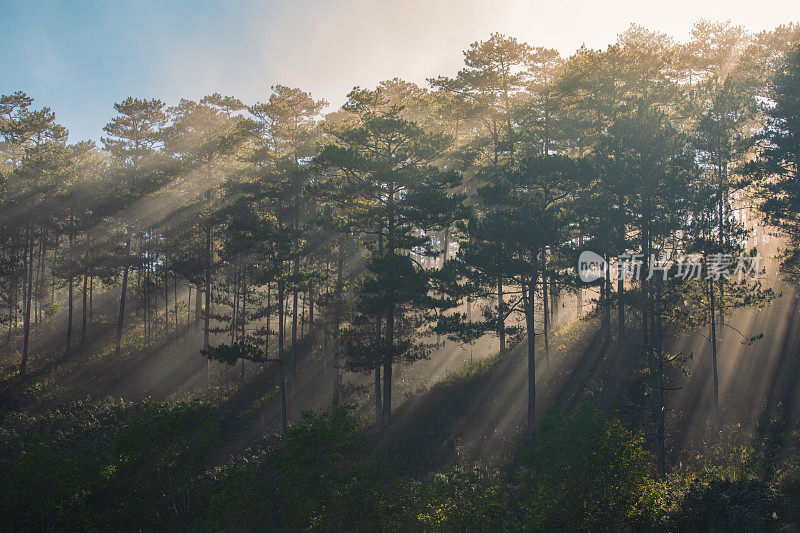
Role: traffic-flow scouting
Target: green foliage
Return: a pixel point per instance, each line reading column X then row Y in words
column 88, row 466
column 231, row 353
column 724, row 505
column 583, row 470
column 331, row 478
column 150, row 466
column 241, row 492
column 467, row 500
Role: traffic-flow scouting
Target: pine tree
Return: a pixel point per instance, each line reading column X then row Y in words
column 37, row 153
column 388, row 161
column 134, row 137
column 779, row 159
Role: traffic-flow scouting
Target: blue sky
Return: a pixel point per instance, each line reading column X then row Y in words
column 80, row 56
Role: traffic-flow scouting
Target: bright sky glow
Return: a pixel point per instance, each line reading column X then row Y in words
column 80, row 57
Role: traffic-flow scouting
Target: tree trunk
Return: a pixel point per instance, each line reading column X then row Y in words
column 84, row 310
column 579, row 295
column 189, row 310
column 269, row 313
column 500, row 316
column 293, row 367
column 660, row 386
column 310, row 309
column 714, row 350
column 37, row 308
column 175, row 300
column 530, row 320
column 11, row 304
column 122, row 297
column 26, row 323
column 445, row 244
column 337, row 324
column 282, row 360
column 620, row 308
column 166, row 303
column 546, row 313
column 207, row 290
column 607, row 310
column 378, row 397
column 198, row 307
column 68, row 348
column 387, row 371
column 243, row 316
column 378, row 392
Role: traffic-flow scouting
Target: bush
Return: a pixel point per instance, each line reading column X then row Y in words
column 585, row 471
column 724, row 505
column 245, row 491
column 104, row 466
column 331, row 478
column 466, row 501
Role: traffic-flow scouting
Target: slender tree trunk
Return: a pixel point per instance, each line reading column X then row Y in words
column 26, row 324
column 714, row 350
column 198, row 307
column 621, row 279
column 303, row 301
column 620, row 308
column 11, row 305
column 378, row 398
column 84, row 310
column 337, row 324
column 189, row 310
column 293, row 367
column 310, row 309
column 16, row 297
column 282, row 359
column 387, row 371
column 445, row 244
column 500, row 315
column 243, row 316
column 122, row 298
column 91, row 294
column 644, row 284
column 378, row 392
column 530, row 318
column 175, row 300
column 37, row 308
column 146, row 278
column 68, row 348
column 207, row 291
column 660, row 386
column 234, row 311
column 607, row 309
column 546, row 313
column 269, row 314
column 579, row 293
column 166, row 303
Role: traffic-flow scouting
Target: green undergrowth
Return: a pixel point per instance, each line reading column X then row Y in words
column 148, row 466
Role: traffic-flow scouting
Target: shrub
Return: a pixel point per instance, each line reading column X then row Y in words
column 331, row 478
column 245, row 491
column 725, row 505
column 585, row 471
column 466, row 500
column 104, row 466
